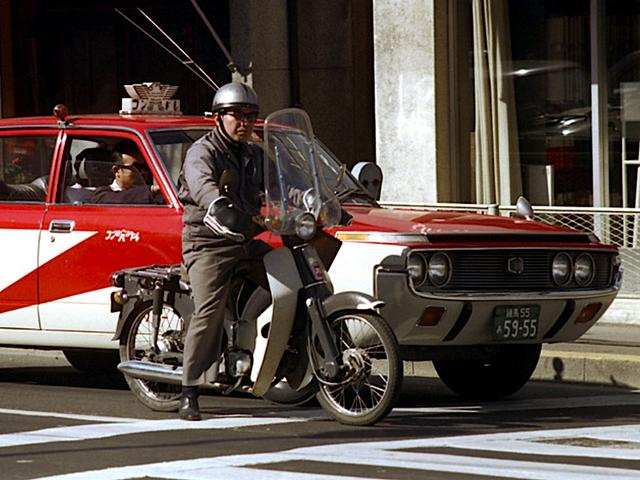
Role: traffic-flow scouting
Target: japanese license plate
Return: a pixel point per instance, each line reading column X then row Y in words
column 515, row 322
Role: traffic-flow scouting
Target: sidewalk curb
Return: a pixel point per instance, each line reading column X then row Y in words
column 601, row 368
column 613, row 369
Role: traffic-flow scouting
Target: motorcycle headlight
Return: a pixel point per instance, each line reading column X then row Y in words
column 439, row 269
column 306, row 226
column 417, row 268
column 561, row 268
column 584, row 269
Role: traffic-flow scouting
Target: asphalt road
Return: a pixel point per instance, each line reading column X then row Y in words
column 58, row 423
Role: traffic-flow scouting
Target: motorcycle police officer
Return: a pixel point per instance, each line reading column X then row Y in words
column 221, row 185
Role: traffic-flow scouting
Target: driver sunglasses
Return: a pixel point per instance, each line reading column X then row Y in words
column 138, row 167
column 241, row 115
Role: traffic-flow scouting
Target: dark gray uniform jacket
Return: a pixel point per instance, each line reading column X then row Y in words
column 199, row 179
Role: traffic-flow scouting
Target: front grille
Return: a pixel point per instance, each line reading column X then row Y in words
column 486, row 270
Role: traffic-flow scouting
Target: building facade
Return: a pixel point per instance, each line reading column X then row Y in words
column 318, row 55
column 473, row 101
column 536, row 98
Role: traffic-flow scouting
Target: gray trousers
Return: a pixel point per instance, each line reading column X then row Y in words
column 210, row 268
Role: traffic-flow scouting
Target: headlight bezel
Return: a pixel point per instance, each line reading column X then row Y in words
column 417, row 272
column 448, row 269
column 566, row 278
column 584, row 281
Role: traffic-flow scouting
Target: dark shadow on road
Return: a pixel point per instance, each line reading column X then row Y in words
column 62, row 376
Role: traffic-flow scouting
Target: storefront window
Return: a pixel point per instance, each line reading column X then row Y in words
column 529, row 72
column 551, row 77
column 623, row 80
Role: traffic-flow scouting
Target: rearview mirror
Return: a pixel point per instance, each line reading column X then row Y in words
column 370, row 176
column 524, row 209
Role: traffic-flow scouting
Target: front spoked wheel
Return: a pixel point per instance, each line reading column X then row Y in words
column 371, row 378
column 136, row 344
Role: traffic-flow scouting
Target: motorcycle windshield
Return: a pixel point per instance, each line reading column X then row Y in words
column 293, row 183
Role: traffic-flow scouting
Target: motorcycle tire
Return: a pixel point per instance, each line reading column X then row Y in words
column 135, row 342
column 370, row 385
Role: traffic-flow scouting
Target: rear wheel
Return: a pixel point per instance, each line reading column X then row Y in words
column 369, row 385
column 135, row 344
column 493, row 378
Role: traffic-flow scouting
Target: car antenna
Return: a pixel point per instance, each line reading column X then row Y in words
column 189, row 63
column 232, row 65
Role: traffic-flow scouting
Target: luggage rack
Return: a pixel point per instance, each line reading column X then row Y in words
column 167, row 277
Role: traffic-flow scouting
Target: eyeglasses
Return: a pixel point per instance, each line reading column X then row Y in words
column 241, row 115
column 135, row 167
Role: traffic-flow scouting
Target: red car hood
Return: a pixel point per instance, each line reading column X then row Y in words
column 451, row 226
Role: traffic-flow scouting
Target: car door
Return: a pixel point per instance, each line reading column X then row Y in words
column 84, row 243
column 25, row 170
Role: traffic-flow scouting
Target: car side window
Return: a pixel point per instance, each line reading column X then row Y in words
column 25, row 163
column 107, row 170
column 172, row 147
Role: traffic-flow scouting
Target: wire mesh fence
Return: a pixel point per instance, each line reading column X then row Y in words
column 618, row 226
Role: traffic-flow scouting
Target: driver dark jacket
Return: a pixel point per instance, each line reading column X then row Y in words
column 199, row 179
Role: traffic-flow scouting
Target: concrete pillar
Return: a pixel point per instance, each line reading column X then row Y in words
column 259, row 34
column 316, row 54
column 405, row 101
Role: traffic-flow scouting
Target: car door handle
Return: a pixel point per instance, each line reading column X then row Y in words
column 61, row 226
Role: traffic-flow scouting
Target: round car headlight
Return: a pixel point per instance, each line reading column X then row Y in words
column 306, row 226
column 561, row 268
column 584, row 269
column 417, row 268
column 439, row 269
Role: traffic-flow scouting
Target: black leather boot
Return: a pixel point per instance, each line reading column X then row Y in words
column 189, row 408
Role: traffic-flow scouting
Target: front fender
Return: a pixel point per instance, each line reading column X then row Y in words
column 351, row 301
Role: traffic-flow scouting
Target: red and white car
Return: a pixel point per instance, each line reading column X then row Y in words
column 477, row 294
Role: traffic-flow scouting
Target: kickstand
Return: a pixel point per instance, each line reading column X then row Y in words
column 233, row 387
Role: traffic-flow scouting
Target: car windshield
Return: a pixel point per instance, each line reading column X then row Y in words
column 172, row 145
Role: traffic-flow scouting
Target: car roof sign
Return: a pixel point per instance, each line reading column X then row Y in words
column 150, row 98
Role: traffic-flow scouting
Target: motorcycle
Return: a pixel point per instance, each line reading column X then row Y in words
column 297, row 341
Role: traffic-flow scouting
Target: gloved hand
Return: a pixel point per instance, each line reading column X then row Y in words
column 296, row 197
column 304, row 199
column 221, row 217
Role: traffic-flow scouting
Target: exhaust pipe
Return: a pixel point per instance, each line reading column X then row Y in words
column 154, row 372
column 159, row 372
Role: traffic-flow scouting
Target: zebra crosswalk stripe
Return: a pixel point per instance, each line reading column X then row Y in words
column 396, row 455
column 94, row 431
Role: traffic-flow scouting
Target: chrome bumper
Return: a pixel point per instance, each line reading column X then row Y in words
column 468, row 318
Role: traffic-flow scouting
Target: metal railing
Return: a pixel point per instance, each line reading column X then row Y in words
column 618, row 226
